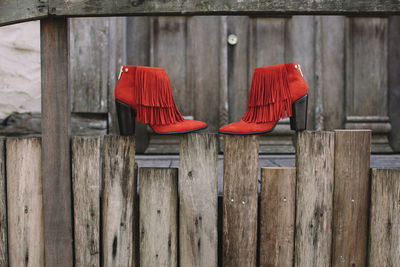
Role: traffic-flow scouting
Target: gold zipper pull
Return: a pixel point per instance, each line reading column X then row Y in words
column 120, row 72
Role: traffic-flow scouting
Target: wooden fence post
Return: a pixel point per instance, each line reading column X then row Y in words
column 86, row 193
column 56, row 117
column 314, row 198
column 240, row 201
column 118, row 197
column 351, row 197
column 384, row 241
column 277, row 216
column 198, row 208
column 24, row 202
column 158, row 193
column 3, row 208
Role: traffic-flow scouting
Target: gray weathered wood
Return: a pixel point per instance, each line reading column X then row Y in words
column 3, row 207
column 86, row 196
column 394, row 81
column 89, row 62
column 240, row 201
column 351, row 197
column 158, row 192
column 29, row 124
column 17, row 11
column 277, row 216
column 56, row 155
column 198, row 202
column 117, row 203
column 25, row 202
column 314, row 198
column 384, row 240
column 87, row 8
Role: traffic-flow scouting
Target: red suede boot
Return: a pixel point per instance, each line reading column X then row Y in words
column 276, row 92
column 144, row 93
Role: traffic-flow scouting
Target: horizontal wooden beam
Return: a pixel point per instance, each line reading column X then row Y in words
column 17, row 11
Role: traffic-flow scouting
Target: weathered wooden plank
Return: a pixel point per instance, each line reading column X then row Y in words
column 314, row 198
column 384, row 241
column 3, row 207
column 89, row 62
column 394, row 81
column 277, row 216
column 240, row 201
column 351, row 197
column 87, row 8
column 117, row 203
column 158, row 192
column 25, row 202
column 198, row 202
column 56, row 120
column 86, row 196
column 17, row 11
column 29, row 124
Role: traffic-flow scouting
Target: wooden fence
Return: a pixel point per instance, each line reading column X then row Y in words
column 330, row 210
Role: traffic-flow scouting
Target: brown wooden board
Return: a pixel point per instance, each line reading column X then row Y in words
column 25, row 203
column 240, row 201
column 3, row 207
column 351, row 197
column 198, row 202
column 277, row 216
column 56, row 155
column 12, row 11
column 86, row 191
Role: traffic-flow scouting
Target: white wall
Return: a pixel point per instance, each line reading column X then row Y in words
column 20, row 68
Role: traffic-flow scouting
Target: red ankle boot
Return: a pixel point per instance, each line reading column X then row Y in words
column 276, row 92
column 144, row 93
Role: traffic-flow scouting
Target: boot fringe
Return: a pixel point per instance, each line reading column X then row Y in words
column 269, row 98
column 155, row 102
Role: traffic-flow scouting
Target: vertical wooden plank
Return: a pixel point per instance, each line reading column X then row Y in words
column 314, row 198
column 25, row 202
column 384, row 241
column 351, row 197
column 89, row 61
column 203, row 78
column 238, row 67
column 56, row 130
column 240, row 200
column 158, row 217
column 3, row 208
column 277, row 216
column 198, row 202
column 394, row 80
column 117, row 203
column 86, row 195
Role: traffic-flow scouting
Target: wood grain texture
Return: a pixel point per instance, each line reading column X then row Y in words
column 56, row 154
column 89, row 63
column 314, row 198
column 198, row 202
column 277, row 216
column 3, row 207
column 240, row 200
column 137, row 7
column 17, row 11
column 117, row 203
column 25, row 202
column 158, row 192
column 86, row 196
column 384, row 240
column 351, row 197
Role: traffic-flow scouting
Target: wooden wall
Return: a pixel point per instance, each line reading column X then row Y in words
column 349, row 63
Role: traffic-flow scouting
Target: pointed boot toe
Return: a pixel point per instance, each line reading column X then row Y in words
column 185, row 126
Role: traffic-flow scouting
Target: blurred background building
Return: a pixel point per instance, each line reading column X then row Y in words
column 351, row 65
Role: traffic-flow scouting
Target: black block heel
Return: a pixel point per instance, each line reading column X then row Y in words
column 298, row 121
column 126, row 118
